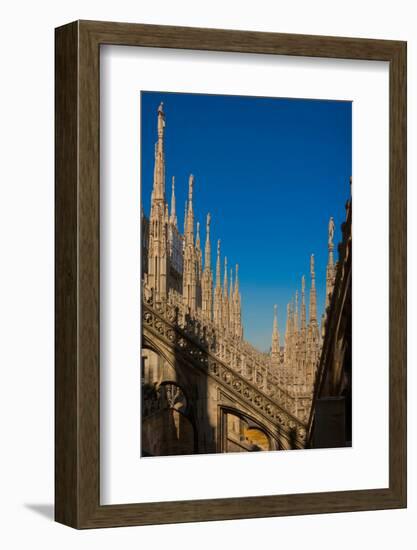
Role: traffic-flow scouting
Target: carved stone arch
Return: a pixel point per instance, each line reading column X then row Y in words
column 227, row 443
column 169, row 427
column 177, row 364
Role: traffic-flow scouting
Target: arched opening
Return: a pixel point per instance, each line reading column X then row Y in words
column 242, row 434
column 167, row 427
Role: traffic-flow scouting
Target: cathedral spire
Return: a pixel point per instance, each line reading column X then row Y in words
column 231, row 304
column 173, row 218
column 207, row 251
column 313, row 297
column 225, row 278
column 199, row 261
column 288, row 337
column 191, row 275
column 158, row 219
column 225, row 299
column 199, row 253
column 275, row 349
column 207, row 278
column 197, row 240
column 217, row 307
column 236, row 290
column 237, row 306
column 158, row 192
column 296, row 312
column 303, row 304
column 185, row 218
column 190, row 212
column 330, row 271
column 218, row 268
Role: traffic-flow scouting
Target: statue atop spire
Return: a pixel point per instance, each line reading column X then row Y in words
column 158, row 192
column 190, row 188
column 331, row 231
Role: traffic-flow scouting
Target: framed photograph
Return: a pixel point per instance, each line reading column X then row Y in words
column 230, row 274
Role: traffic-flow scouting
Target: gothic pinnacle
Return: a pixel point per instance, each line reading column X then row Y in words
column 197, row 240
column 158, row 191
column 173, row 218
column 207, row 254
column 275, row 339
column 218, row 274
column 225, row 278
column 236, row 291
column 190, row 189
column 313, row 297
column 330, row 271
column 303, row 303
column 312, row 272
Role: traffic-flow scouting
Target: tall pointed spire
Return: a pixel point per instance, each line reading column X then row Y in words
column 198, row 251
column 296, row 312
column 225, row 278
column 275, row 349
column 288, row 337
column 185, row 218
column 217, row 308
column 207, row 251
column 173, row 217
column 158, row 193
column 225, row 302
column 199, row 261
column 197, row 240
column 237, row 306
column 218, row 268
column 190, row 212
column 303, row 304
column 231, row 304
column 158, row 249
column 190, row 277
column 313, row 333
column 313, row 297
column 330, row 271
column 207, row 279
column 236, row 289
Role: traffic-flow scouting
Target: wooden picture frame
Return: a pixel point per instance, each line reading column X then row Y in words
column 77, row 403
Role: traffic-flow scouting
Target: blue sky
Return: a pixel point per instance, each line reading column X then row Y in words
column 271, row 172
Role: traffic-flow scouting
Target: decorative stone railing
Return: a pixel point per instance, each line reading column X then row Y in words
column 200, row 343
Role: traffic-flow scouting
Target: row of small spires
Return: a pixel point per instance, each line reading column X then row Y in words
column 187, row 228
column 291, row 310
column 159, row 190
